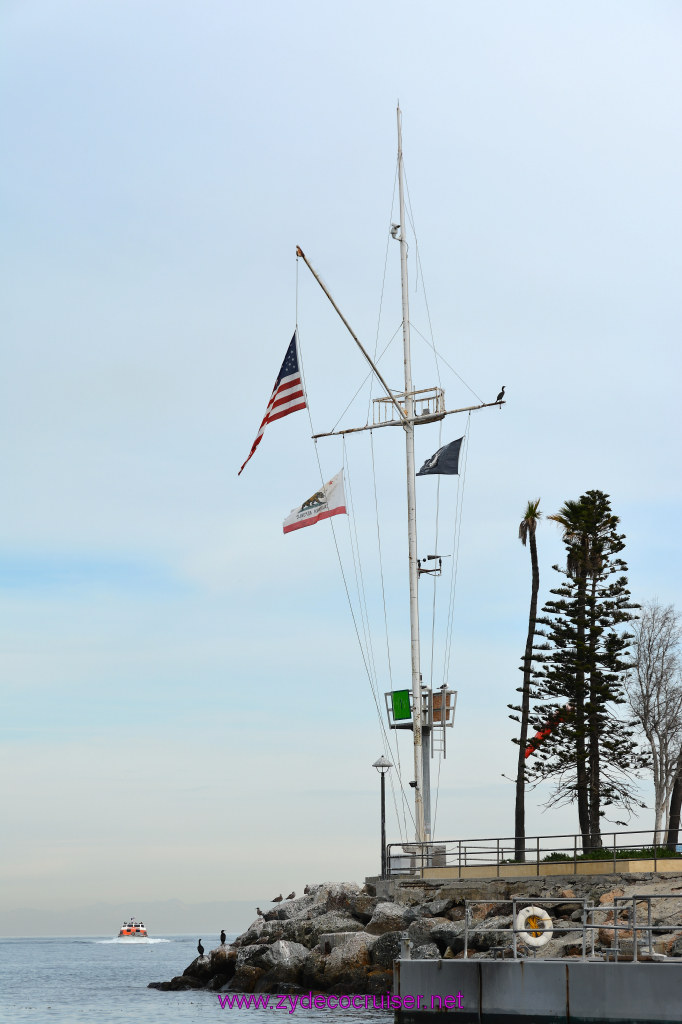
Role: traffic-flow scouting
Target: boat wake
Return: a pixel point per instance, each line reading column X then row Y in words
column 129, row 942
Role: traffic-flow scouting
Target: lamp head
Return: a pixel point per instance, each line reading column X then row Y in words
column 382, row 765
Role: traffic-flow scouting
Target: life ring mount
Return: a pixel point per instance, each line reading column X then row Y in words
column 536, row 926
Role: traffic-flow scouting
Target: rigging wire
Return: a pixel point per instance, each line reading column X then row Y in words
column 369, row 376
column 364, row 627
column 436, row 353
column 435, row 548
column 421, row 273
column 455, row 554
column 362, row 600
column 457, row 533
column 363, row 651
column 383, row 286
column 442, row 358
column 405, row 803
column 388, row 645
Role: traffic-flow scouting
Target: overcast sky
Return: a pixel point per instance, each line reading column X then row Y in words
column 186, row 713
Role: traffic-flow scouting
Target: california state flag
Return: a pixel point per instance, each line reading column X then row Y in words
column 329, row 501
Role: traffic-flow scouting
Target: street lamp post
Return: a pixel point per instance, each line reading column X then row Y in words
column 382, row 766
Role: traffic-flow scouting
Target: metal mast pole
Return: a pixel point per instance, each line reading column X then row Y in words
column 411, row 515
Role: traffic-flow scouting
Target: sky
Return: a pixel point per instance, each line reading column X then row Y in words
column 186, row 713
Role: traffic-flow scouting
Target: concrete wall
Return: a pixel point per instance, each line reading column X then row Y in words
column 541, row 990
column 413, row 889
column 551, row 868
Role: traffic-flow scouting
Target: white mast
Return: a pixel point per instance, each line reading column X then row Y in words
column 428, row 715
column 411, row 518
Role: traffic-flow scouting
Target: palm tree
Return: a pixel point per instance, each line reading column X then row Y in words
column 527, row 527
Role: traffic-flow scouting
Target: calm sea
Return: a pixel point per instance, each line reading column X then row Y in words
column 104, row 981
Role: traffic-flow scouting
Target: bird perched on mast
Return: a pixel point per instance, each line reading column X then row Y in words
column 501, row 394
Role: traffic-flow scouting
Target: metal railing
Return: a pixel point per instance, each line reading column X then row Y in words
column 461, row 855
column 588, row 926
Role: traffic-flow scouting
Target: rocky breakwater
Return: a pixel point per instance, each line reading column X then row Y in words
column 340, row 938
column 343, row 939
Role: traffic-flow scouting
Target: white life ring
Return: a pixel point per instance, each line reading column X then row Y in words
column 535, row 924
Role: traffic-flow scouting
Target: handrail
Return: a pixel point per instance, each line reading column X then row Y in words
column 495, row 851
column 621, row 904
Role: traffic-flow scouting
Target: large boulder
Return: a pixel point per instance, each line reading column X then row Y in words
column 448, row 933
column 246, row 978
column 251, row 955
column 283, row 961
column 253, row 933
column 349, row 899
column 334, row 895
column 200, row 968
column 386, row 949
column 332, row 921
column 496, row 933
column 390, row 917
column 428, row 952
column 312, row 971
column 291, row 909
column 379, row 982
column 419, row 932
column 223, row 967
column 435, row 908
column 347, row 958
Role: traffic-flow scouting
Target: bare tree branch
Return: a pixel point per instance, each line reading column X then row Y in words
column 654, row 689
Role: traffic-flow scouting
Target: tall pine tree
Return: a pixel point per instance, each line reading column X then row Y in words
column 589, row 753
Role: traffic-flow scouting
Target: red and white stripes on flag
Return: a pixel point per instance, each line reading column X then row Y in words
column 287, row 395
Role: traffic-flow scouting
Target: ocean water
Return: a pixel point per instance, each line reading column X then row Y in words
column 104, row 981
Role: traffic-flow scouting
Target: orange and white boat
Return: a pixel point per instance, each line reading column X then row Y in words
column 133, row 930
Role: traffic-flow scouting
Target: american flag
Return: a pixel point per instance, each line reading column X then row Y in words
column 287, row 395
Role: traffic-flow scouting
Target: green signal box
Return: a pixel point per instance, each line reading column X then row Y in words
column 401, row 705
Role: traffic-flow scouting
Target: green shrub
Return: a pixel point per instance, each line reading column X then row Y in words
column 643, row 853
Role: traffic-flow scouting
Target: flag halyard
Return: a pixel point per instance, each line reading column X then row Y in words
column 287, row 395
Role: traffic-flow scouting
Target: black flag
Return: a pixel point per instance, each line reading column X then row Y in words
column 445, row 461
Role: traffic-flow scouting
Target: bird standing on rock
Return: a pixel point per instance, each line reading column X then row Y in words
column 306, row 890
column 223, row 936
column 277, row 899
column 501, row 394
column 200, row 948
column 291, row 895
column 259, row 911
